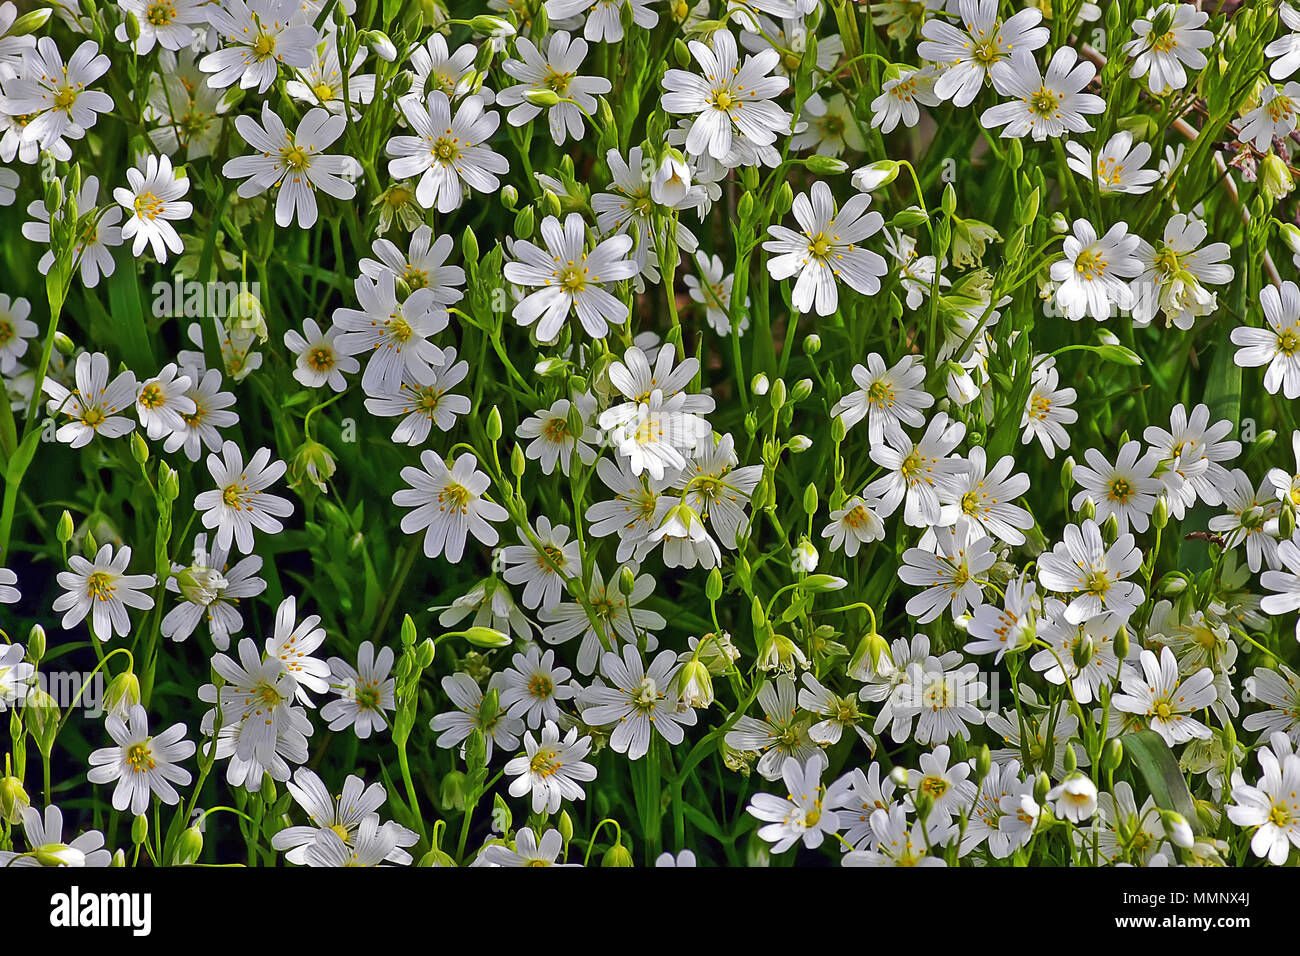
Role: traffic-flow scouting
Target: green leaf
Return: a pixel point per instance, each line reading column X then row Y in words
column 126, row 311
column 1159, row 770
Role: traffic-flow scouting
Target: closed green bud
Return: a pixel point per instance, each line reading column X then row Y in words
column 1071, row 759
column 502, row 818
column 42, row 714
column 132, row 27
column 424, row 656
column 139, row 829
column 89, row 545
column 713, row 585
column 29, row 23
column 188, row 847
column 564, row 823
column 408, row 631
column 617, row 855
column 518, row 461
column 509, row 196
column 544, row 97
column 1027, row 209
column 493, row 426
column 1067, row 473
column 1285, row 519
column 482, row 637
column 802, row 389
column 13, row 800
column 169, row 482
column 783, row 199
column 1160, row 516
column 777, row 395
column 1112, row 754
column 760, row 384
column 799, row 444
column 745, row 208
column 949, row 200
column 818, row 583
column 626, row 581
column 909, row 218
column 681, row 53
column 436, row 858
column 551, row 204
column 1042, row 786
column 486, row 25
column 139, row 450
column 122, row 693
column 812, row 344
column 810, row 499
column 469, row 243
column 757, row 616
column 924, row 803
column 838, row 429
column 1110, row 528
column 453, row 790
column 1087, row 510
column 1015, row 155
column 983, row 761
column 1082, row 652
column 1121, row 643
column 64, row 344
column 525, row 222
column 820, row 165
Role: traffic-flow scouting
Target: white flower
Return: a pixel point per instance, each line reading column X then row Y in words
column 292, row 164
column 373, row 844
column 240, row 502
column 552, row 769
column 16, row 676
column 805, row 815
column 322, row 83
column 1172, row 274
column 552, row 439
column 556, row 71
column 1271, row 805
column 713, row 290
column 916, row 471
column 527, row 850
column 854, row 524
column 343, row 815
column 1128, row 489
column 1047, row 104
column 199, row 428
column 996, row 630
column 141, row 764
column 731, row 100
column 967, row 57
column 162, row 401
column 900, row 95
column 45, row 837
column 949, row 788
column 570, row 279
column 1285, row 585
column 318, row 362
column 211, row 591
column 1120, row 167
column 895, row 844
column 435, row 66
column 1285, row 48
column 1275, row 117
column 986, row 498
column 1163, row 56
column 541, row 570
column 716, row 489
column 618, row 613
column 685, row 540
column 826, row 249
column 498, row 728
column 257, row 38
column 365, row 691
column 166, row 23
column 421, row 267
column 1275, row 346
column 782, row 737
column 635, row 510
column 154, row 201
column 448, row 505
column 952, row 574
column 637, row 702
column 1048, row 411
column 94, row 404
column 828, row 126
column 15, row 330
column 1056, row 661
column 53, row 94
column 1167, row 702
column 447, row 152
column 1251, row 519
column 423, row 406
column 1075, row 799
column 604, row 18
column 394, row 334
column 533, row 686
column 887, row 398
column 102, row 589
column 1081, row 565
column 671, row 183
column 1093, row 276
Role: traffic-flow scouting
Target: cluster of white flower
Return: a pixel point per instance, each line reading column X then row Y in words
column 612, row 339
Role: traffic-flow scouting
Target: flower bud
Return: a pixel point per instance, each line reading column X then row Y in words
column 13, row 800
column 617, row 855
column 799, row 444
column 776, row 398
column 486, row 25
column 1067, row 473
column 713, row 585
column 812, row 344
column 36, row 643
column 1082, row 652
column 802, row 389
column 694, row 684
column 139, row 450
column 875, row 175
column 820, row 165
column 482, row 637
column 453, row 790
column 313, row 463
column 1121, row 643
column 626, row 581
column 1110, row 529
column 870, row 657
column 65, row 528
column 543, row 97
column 169, row 481
column 188, row 846
column 1087, row 510
column 564, row 823
column 493, row 426
column 518, row 461
column 139, row 829
column 983, row 762
column 122, row 693
column 759, row 385
column 1112, row 753
column 1059, row 224
column 1176, row 826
